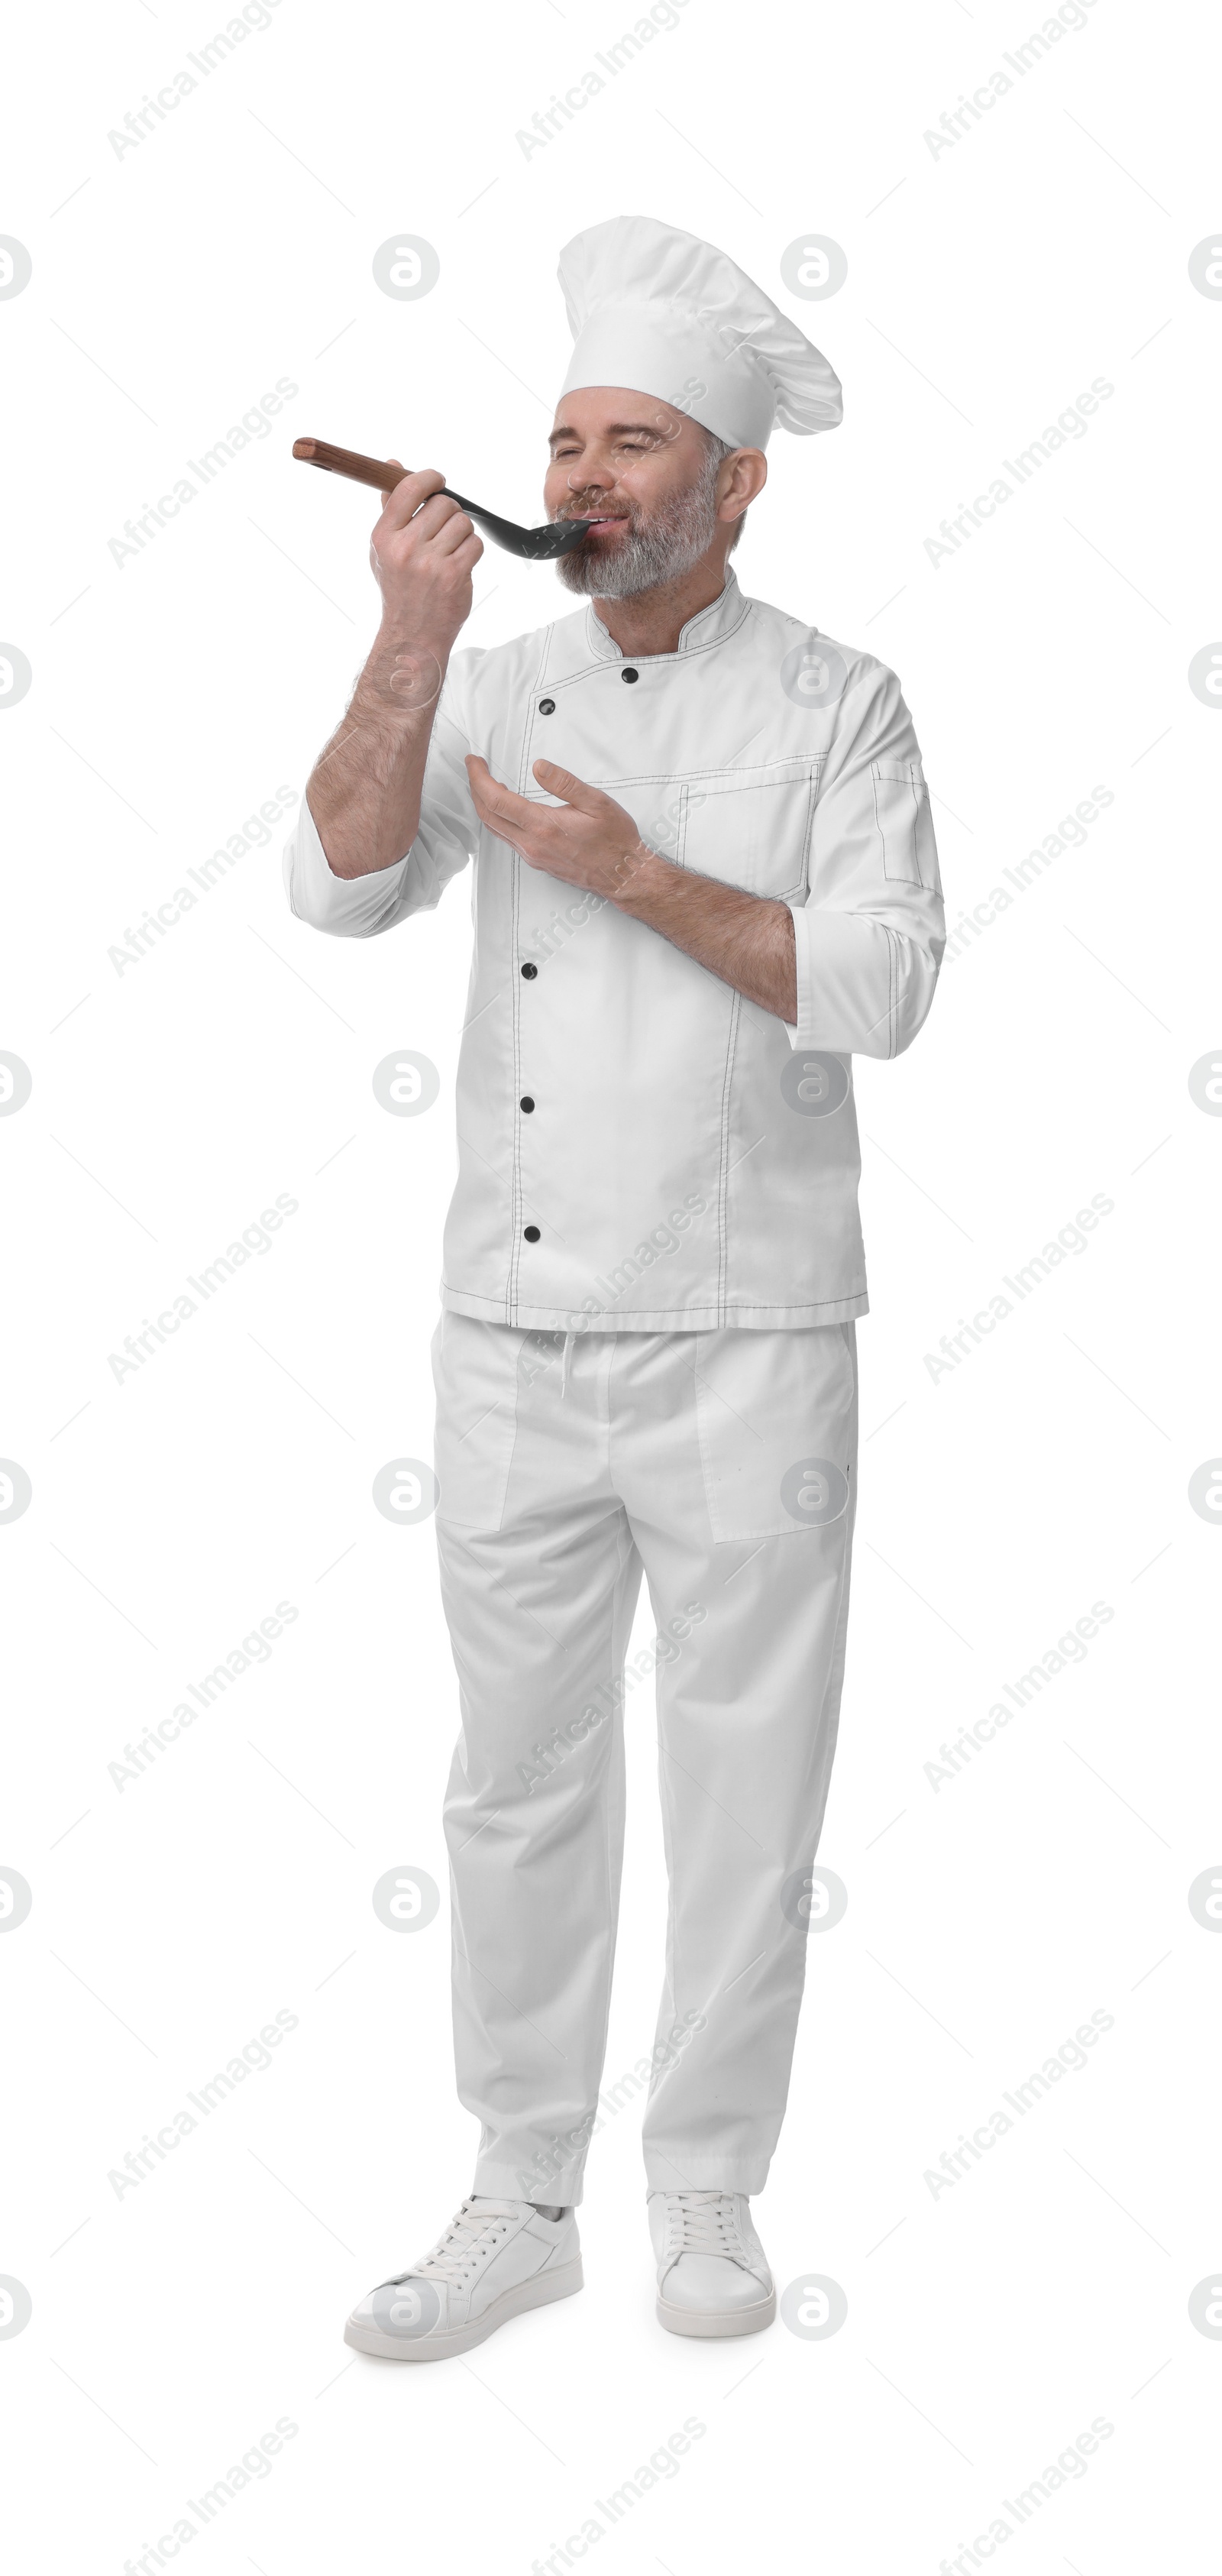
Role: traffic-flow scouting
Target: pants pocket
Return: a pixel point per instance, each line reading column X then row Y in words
column 776, row 1416
column 475, row 1375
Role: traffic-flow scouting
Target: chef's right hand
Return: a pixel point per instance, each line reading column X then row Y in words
column 423, row 551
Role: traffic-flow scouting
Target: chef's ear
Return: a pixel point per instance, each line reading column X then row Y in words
column 740, row 481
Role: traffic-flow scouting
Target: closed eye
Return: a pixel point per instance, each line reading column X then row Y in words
column 636, row 441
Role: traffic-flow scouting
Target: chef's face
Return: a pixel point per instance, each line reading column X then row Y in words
column 646, row 477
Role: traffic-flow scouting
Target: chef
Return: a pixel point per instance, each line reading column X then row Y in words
column 704, row 880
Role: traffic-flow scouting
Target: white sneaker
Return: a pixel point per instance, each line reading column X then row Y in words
column 713, row 2276
column 495, row 2258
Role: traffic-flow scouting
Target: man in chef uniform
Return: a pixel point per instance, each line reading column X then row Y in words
column 705, row 878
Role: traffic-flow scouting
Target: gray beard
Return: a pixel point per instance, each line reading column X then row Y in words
column 655, row 551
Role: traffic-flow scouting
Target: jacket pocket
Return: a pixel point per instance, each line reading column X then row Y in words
column 750, row 827
column 904, row 823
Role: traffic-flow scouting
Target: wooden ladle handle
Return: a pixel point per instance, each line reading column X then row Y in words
column 344, row 460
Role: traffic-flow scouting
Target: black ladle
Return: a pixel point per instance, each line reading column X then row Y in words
column 535, row 545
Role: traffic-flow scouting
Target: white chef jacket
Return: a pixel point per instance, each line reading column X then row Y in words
column 640, row 1148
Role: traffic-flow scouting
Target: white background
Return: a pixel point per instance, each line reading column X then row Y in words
column 989, row 1915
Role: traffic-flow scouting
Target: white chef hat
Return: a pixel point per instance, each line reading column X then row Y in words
column 663, row 313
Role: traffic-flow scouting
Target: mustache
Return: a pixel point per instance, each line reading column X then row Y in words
column 591, row 510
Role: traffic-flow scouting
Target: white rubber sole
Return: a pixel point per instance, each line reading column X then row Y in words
column 717, row 2321
column 538, row 2293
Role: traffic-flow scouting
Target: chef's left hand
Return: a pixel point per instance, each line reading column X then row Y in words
column 588, row 840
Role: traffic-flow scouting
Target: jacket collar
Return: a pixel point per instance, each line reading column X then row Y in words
column 710, row 625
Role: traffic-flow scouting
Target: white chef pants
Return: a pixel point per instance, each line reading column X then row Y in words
column 725, row 1464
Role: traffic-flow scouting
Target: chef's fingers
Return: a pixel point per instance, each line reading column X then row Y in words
column 561, row 782
column 399, row 505
column 434, row 514
column 489, row 794
column 454, row 532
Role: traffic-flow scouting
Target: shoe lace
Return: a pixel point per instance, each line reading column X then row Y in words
column 475, row 2230
column 703, row 2222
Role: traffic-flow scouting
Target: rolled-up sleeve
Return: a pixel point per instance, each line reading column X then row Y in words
column 356, row 907
column 870, row 934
